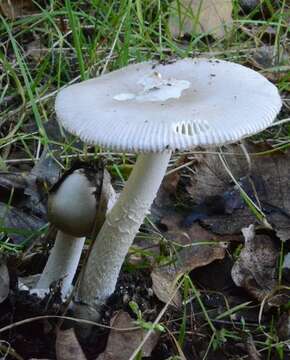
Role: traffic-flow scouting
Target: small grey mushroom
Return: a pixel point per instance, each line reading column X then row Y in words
column 75, row 206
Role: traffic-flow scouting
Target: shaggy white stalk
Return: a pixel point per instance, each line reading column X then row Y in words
column 118, row 232
column 62, row 262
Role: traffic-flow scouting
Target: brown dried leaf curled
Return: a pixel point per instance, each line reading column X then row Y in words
column 197, row 247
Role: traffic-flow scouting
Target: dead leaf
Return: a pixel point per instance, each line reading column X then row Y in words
column 267, row 180
column 164, row 286
column 191, row 253
column 193, row 16
column 251, row 349
column 272, row 62
column 67, row 346
column 17, row 223
column 46, row 170
column 286, row 263
column 36, row 50
column 122, row 344
column 167, row 190
column 255, row 269
column 249, row 5
column 286, row 268
column 4, row 281
column 16, row 8
column 283, row 326
column 23, row 197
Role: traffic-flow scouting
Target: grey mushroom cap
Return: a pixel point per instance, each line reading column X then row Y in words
column 72, row 208
column 151, row 107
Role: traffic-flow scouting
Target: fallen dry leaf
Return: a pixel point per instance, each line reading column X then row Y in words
column 248, row 5
column 164, row 286
column 283, row 326
column 122, row 344
column 272, row 62
column 67, row 346
column 36, row 50
column 193, row 16
column 15, row 8
column 266, row 180
column 193, row 251
column 251, row 349
column 286, row 263
column 255, row 269
column 4, row 281
column 23, row 197
column 13, row 218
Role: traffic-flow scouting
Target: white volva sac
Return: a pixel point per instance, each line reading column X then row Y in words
column 154, row 109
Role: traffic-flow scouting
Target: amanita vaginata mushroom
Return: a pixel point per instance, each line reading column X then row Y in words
column 73, row 208
column 154, row 109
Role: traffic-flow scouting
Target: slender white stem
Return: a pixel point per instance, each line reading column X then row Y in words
column 118, row 232
column 62, row 262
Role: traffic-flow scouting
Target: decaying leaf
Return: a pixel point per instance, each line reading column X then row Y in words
column 4, row 281
column 164, row 286
column 15, row 8
column 193, row 16
column 266, row 182
column 36, row 50
column 67, row 346
column 195, row 247
column 271, row 61
column 251, row 349
column 286, row 268
column 17, row 223
column 23, row 198
column 283, row 326
column 122, row 344
column 255, row 269
column 249, row 5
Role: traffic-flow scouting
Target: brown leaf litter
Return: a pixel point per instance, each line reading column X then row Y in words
column 195, row 247
column 255, row 269
column 16, row 8
column 122, row 343
column 265, row 179
column 4, row 280
column 67, row 346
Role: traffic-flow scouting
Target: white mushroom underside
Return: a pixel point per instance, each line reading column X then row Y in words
column 224, row 102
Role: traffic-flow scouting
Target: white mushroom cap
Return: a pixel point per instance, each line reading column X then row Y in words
column 150, row 107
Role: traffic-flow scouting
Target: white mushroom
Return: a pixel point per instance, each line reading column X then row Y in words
column 154, row 109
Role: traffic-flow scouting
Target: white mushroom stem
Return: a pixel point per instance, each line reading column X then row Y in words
column 118, row 232
column 62, row 262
